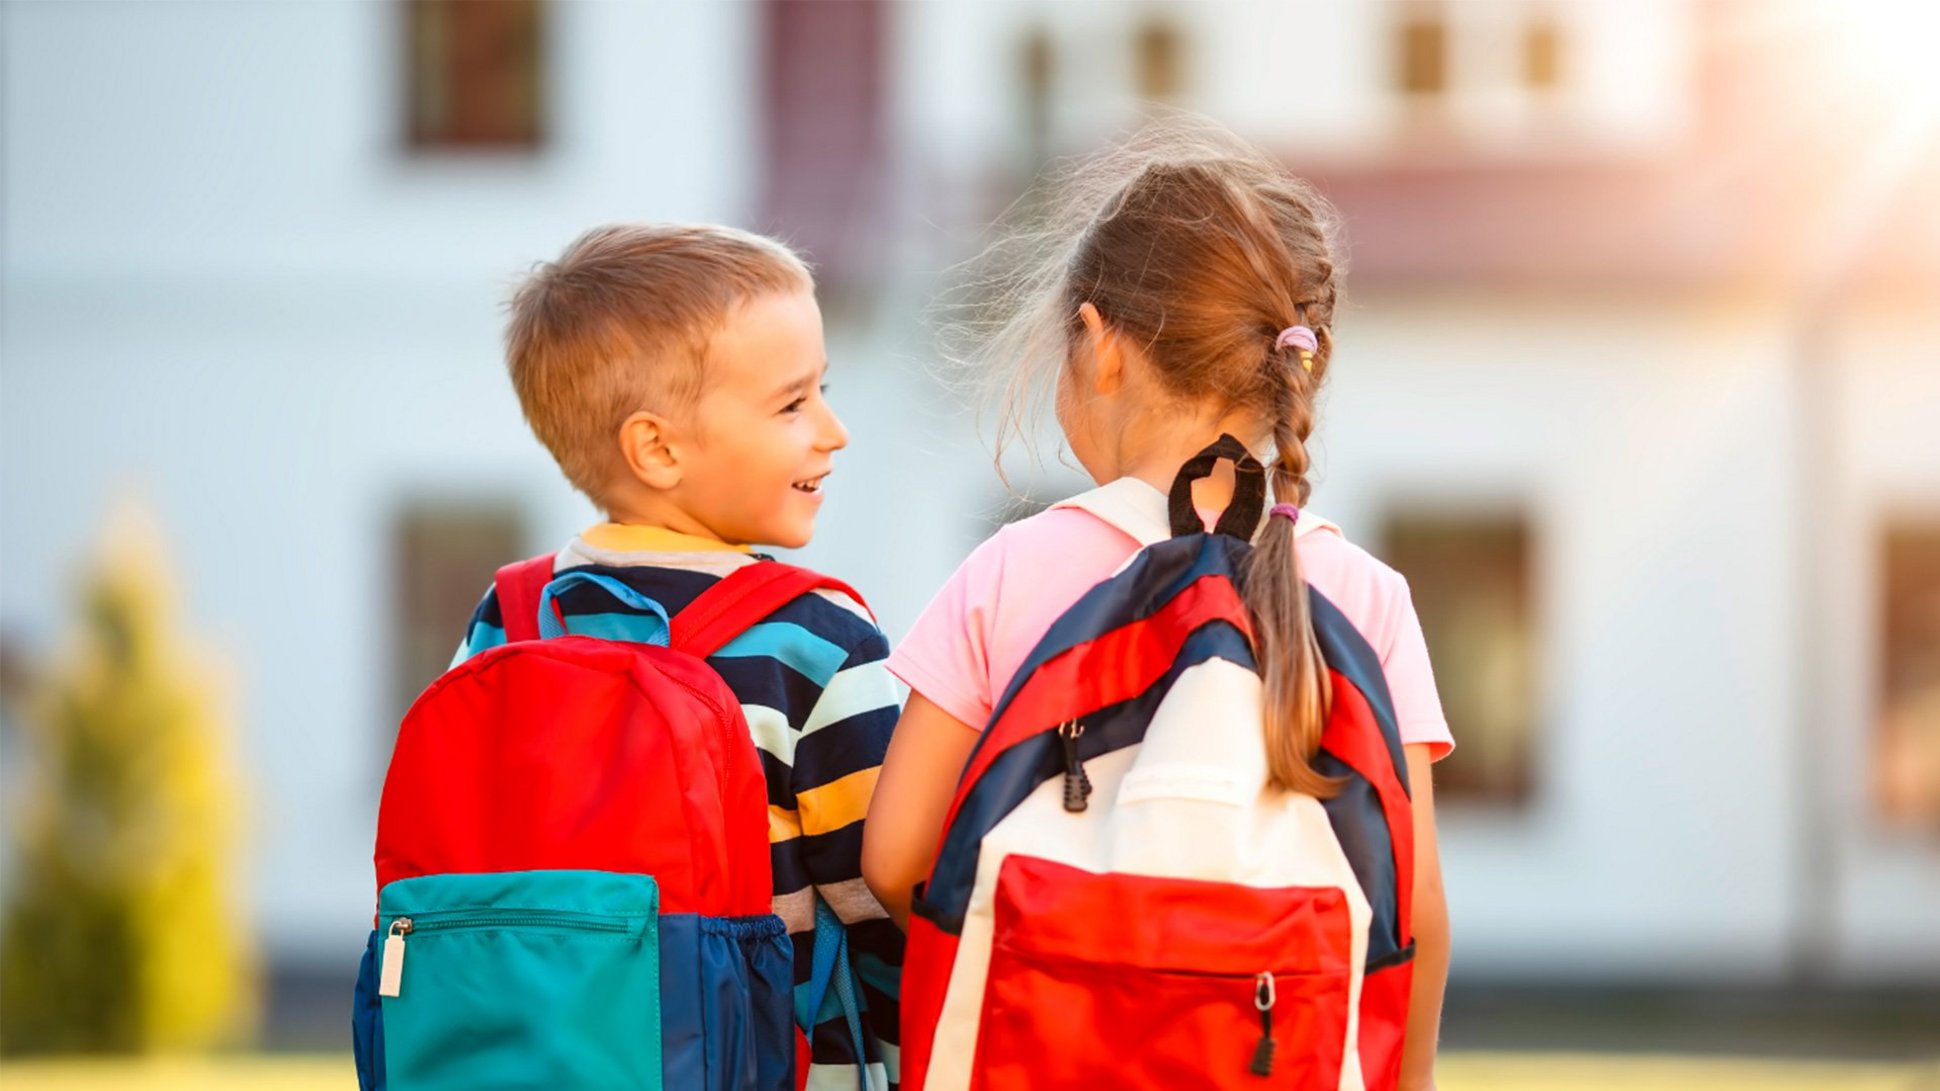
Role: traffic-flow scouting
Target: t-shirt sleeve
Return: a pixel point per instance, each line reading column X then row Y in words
column 485, row 629
column 946, row 656
column 1411, row 678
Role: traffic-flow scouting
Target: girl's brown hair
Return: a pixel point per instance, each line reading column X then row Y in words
column 1200, row 250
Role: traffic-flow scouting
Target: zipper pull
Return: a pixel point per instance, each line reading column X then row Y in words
column 392, row 978
column 1263, row 998
column 1077, row 783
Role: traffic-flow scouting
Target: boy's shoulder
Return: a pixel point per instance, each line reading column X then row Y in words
column 826, row 618
column 675, row 578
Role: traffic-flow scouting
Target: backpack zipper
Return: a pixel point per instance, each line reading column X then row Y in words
column 391, row 981
column 1264, row 997
column 1077, row 783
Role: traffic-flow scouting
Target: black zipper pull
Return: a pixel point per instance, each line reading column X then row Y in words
column 1077, row 783
column 1263, row 997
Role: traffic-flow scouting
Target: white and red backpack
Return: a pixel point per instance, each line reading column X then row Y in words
column 1118, row 900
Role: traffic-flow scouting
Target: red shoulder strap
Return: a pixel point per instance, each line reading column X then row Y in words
column 519, row 586
column 741, row 599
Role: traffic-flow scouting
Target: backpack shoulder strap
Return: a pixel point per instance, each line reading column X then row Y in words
column 519, row 586
column 741, row 599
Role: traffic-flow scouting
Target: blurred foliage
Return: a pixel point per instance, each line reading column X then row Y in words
column 122, row 932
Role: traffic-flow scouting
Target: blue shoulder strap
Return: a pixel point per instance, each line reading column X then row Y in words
column 553, row 625
column 830, row 972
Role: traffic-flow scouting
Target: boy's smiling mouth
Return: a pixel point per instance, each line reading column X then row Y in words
column 811, row 485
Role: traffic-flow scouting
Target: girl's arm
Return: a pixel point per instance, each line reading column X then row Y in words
column 919, row 776
column 1431, row 930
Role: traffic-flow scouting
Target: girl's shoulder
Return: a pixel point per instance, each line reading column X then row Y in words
column 1071, row 545
column 1074, row 539
column 1330, row 548
column 1057, row 544
column 1365, row 588
column 1058, row 527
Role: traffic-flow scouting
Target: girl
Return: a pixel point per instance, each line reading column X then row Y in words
column 1186, row 291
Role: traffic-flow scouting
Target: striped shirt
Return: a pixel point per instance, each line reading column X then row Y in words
column 820, row 704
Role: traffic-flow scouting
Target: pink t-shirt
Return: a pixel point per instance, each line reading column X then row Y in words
column 980, row 627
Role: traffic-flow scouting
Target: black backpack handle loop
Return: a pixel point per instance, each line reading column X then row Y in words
column 1242, row 515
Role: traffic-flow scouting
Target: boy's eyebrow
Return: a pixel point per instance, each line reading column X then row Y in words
column 806, row 381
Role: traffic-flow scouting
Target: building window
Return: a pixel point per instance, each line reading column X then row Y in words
column 824, row 76
column 1159, row 60
column 1906, row 756
column 474, row 73
column 1421, row 54
column 443, row 558
column 1542, row 55
column 1037, row 72
column 1471, row 582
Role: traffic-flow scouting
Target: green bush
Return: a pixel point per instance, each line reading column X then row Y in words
column 122, row 932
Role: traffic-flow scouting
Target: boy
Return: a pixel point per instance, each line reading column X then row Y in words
column 675, row 373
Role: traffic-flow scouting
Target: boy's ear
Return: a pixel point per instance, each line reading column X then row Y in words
column 647, row 444
column 1107, row 353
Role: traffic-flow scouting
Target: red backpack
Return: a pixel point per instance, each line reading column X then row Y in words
column 572, row 849
column 1118, row 901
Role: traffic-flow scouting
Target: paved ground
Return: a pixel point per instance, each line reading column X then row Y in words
column 1494, row 1040
column 1459, row 1072
column 1807, row 1024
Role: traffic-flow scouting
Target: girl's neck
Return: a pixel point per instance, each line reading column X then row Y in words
column 1156, row 456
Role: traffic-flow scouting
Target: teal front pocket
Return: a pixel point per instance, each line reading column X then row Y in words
column 521, row 979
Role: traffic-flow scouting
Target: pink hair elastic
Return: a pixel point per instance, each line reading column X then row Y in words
column 1286, row 511
column 1302, row 338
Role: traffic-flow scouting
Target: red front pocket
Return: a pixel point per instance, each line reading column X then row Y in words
column 1128, row 981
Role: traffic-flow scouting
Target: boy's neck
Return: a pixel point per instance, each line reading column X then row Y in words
column 657, row 511
column 626, row 533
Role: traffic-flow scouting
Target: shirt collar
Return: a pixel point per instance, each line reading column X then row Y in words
column 1141, row 511
column 641, row 538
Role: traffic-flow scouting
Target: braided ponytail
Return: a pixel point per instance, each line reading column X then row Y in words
column 1298, row 689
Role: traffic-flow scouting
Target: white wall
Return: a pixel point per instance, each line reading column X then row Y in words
column 208, row 137
column 1639, row 435
column 1309, row 74
column 227, row 289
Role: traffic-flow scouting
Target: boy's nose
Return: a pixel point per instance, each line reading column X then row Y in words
column 834, row 435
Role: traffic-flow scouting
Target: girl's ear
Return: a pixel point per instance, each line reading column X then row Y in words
column 1107, row 353
column 647, row 444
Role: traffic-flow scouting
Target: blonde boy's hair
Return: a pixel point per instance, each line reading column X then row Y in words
column 621, row 322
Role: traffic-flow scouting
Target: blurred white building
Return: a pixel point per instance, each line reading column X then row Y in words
column 1632, row 386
